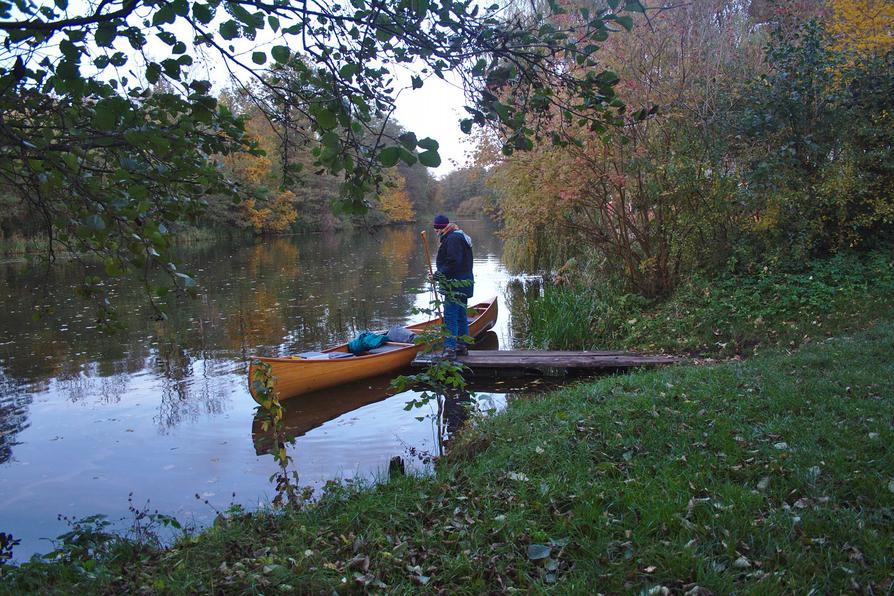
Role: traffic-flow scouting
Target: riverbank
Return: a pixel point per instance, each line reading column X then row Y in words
column 21, row 248
column 771, row 475
column 721, row 316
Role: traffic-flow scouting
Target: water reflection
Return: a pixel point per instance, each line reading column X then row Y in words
column 450, row 412
column 519, row 291
column 13, row 418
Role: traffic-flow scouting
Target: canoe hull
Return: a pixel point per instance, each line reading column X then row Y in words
column 293, row 377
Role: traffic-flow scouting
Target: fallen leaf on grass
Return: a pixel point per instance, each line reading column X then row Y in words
column 420, row 579
column 360, row 563
column 537, row 552
column 802, row 503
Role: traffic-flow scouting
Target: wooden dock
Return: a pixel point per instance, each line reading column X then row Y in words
column 540, row 359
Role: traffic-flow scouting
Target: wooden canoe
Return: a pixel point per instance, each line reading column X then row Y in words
column 296, row 376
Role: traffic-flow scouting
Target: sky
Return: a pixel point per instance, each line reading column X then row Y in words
column 435, row 111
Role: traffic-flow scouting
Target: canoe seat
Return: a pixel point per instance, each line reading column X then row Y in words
column 310, row 356
column 388, row 347
column 322, row 355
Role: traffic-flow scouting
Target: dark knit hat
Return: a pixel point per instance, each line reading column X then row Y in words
column 441, row 221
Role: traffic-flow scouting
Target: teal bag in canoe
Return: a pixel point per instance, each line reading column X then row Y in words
column 366, row 341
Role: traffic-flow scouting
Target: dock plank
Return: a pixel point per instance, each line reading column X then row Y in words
column 554, row 359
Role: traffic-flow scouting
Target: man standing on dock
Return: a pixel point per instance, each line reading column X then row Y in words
column 454, row 274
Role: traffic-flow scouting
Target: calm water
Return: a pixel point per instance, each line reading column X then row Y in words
column 162, row 410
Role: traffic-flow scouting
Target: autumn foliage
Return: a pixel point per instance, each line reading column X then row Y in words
column 862, row 26
column 749, row 131
column 394, row 202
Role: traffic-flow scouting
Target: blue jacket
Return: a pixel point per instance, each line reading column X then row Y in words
column 454, row 260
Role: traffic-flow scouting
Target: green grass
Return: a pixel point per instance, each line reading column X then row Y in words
column 767, row 476
column 722, row 316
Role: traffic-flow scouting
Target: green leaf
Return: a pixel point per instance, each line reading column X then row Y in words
column 258, row 57
column 105, row 34
column 274, row 23
column 165, row 14
column 420, row 7
column 428, row 143
column 330, row 140
column 388, row 156
column 171, row 68
column 281, row 54
column 502, row 110
column 407, row 157
column 105, row 119
column 349, row 70
column 202, row 13
column 626, row 21
column 67, row 70
column 153, row 72
column 430, row 158
column 408, row 140
column 167, row 37
column 239, row 11
column 181, row 7
column 383, row 34
column 634, row 6
column 229, row 30
column 417, row 82
column 465, row 125
column 524, row 143
column 324, row 117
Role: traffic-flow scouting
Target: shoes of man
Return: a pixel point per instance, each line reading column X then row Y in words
column 446, row 354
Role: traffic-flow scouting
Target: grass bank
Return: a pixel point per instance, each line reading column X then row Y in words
column 19, row 247
column 766, row 476
column 721, row 316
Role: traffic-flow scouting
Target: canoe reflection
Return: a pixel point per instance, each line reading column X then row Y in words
column 314, row 409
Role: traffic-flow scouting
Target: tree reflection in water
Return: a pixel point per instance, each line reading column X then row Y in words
column 519, row 291
column 13, row 416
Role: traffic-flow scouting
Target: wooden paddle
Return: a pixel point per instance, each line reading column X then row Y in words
column 431, row 274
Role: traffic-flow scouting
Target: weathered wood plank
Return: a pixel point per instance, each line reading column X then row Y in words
column 554, row 359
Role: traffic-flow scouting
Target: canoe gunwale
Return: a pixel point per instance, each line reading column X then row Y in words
column 354, row 358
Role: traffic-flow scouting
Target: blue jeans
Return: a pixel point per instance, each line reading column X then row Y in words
column 455, row 319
